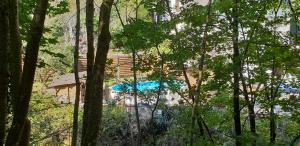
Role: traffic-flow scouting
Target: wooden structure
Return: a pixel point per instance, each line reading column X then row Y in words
column 82, row 64
column 121, row 62
column 65, row 89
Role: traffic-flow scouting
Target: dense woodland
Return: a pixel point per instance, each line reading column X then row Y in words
column 234, row 64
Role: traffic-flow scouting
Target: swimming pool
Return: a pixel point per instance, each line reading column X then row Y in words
column 142, row 86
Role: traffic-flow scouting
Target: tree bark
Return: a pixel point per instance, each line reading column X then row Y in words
column 160, row 88
column 134, row 81
column 272, row 125
column 26, row 134
column 32, row 49
column 90, row 62
column 4, row 39
column 135, row 97
column 200, row 76
column 15, row 65
column 95, row 108
column 77, row 94
column 272, row 114
column 250, row 105
column 251, row 113
column 139, row 138
column 236, row 71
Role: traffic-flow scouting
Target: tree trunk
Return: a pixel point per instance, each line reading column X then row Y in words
column 95, row 107
column 160, row 88
column 272, row 114
column 4, row 39
column 251, row 113
column 26, row 133
column 15, row 65
column 32, row 49
column 135, row 97
column 236, row 71
column 90, row 62
column 200, row 76
column 272, row 125
column 250, row 105
column 77, row 94
column 139, row 138
column 134, row 82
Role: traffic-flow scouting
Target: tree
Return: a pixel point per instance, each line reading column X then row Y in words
column 201, row 71
column 90, row 62
column 20, row 117
column 236, row 70
column 77, row 94
column 133, row 43
column 15, row 51
column 94, row 110
column 4, row 38
column 51, row 122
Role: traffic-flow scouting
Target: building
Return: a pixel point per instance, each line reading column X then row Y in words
column 63, row 87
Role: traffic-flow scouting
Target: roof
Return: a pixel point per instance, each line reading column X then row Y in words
column 67, row 79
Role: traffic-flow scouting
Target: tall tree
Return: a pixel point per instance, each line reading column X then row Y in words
column 94, row 113
column 90, row 62
column 135, row 95
column 200, row 73
column 4, row 39
column 77, row 94
column 15, row 65
column 25, row 89
column 134, row 68
column 236, row 71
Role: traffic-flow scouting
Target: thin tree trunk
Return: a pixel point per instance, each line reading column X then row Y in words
column 249, row 99
column 134, row 80
column 201, row 129
column 251, row 113
column 250, row 105
column 236, row 71
column 272, row 114
column 77, row 94
column 90, row 63
column 200, row 119
column 200, row 76
column 272, row 125
column 4, row 39
column 15, row 65
column 187, row 79
column 160, row 88
column 135, row 97
column 95, row 108
column 32, row 49
column 139, row 138
column 196, row 101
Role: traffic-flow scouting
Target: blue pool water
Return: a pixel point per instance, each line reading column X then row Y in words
column 141, row 86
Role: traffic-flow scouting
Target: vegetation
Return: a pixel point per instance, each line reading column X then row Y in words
column 224, row 72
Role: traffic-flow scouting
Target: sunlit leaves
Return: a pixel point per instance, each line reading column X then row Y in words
column 58, row 7
column 139, row 35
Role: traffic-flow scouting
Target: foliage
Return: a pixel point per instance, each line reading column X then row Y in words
column 269, row 58
column 51, row 121
column 115, row 124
